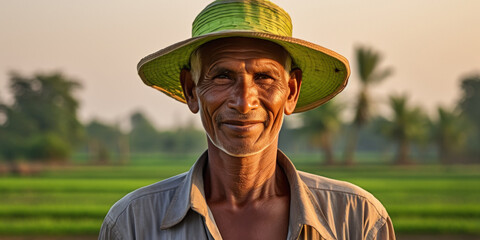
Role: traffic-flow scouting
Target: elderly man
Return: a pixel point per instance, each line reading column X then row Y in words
column 242, row 72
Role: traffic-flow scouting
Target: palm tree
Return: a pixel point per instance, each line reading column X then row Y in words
column 407, row 125
column 370, row 74
column 450, row 133
column 468, row 103
column 321, row 125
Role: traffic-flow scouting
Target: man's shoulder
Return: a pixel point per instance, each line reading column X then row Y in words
column 154, row 196
column 316, row 182
column 341, row 191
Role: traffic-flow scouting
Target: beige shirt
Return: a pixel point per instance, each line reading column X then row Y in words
column 175, row 208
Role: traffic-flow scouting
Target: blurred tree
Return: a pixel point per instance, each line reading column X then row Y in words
column 470, row 105
column 408, row 124
column 370, row 138
column 290, row 131
column 370, row 73
column 44, row 108
column 450, row 132
column 321, row 125
column 47, row 99
column 49, row 146
column 187, row 139
column 144, row 137
column 104, row 140
column 8, row 140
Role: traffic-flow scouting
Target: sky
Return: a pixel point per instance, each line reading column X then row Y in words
column 430, row 44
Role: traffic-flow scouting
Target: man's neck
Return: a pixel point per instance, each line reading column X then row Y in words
column 237, row 181
column 251, row 193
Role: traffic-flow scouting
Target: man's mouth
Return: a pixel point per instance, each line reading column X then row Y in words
column 242, row 125
column 242, row 122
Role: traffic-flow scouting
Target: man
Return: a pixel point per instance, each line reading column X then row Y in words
column 242, row 71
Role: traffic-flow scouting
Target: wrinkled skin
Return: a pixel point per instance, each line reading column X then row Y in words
column 242, row 94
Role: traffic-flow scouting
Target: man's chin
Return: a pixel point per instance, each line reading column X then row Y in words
column 241, row 154
column 244, row 151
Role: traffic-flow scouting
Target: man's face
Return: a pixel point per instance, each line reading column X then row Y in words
column 242, row 94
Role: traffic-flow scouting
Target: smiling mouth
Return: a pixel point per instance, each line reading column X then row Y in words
column 242, row 123
column 242, row 126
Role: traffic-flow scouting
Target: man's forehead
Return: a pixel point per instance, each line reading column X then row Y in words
column 246, row 47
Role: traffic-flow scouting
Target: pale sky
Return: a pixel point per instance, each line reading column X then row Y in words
column 431, row 44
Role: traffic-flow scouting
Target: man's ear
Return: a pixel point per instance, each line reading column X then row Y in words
column 294, row 83
column 188, row 86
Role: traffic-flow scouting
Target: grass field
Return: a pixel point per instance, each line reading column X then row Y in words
column 68, row 201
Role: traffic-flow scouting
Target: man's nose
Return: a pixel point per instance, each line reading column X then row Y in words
column 244, row 97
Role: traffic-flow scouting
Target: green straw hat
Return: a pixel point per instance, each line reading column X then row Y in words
column 325, row 72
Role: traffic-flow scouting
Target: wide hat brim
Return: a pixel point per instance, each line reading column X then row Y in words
column 325, row 72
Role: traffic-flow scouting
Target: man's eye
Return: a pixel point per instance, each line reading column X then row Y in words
column 222, row 76
column 262, row 77
column 222, row 79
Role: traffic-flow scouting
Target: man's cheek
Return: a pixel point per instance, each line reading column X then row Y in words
column 208, row 121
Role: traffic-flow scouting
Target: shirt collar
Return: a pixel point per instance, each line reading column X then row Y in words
column 304, row 208
column 189, row 191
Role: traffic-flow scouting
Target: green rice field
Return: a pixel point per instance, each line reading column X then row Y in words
column 73, row 200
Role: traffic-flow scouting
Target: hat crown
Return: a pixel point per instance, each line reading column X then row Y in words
column 242, row 15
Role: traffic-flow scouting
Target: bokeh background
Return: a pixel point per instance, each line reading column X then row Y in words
column 78, row 129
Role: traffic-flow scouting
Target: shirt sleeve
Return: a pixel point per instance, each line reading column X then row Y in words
column 107, row 231
column 386, row 232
